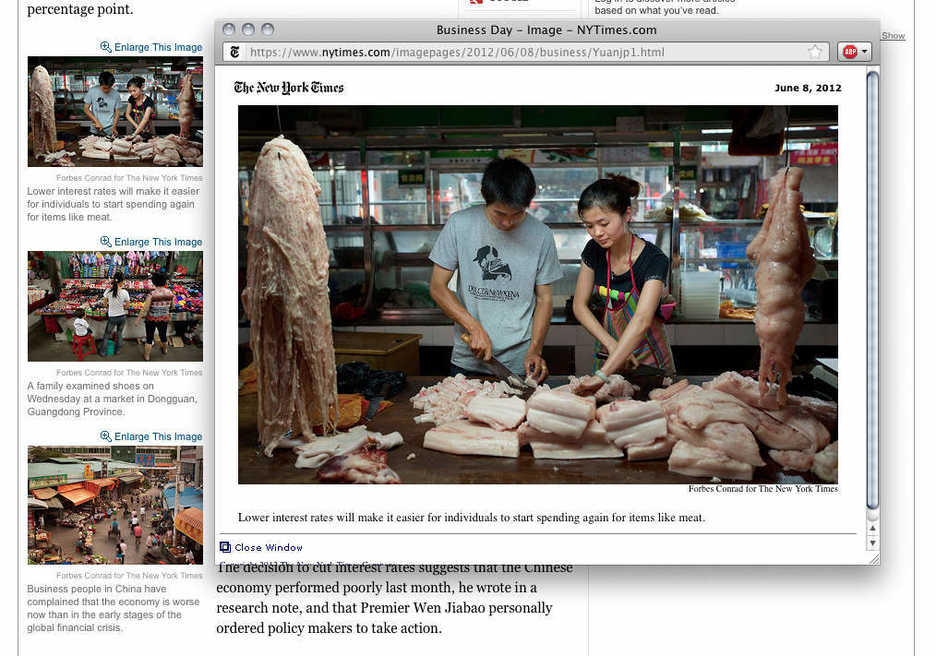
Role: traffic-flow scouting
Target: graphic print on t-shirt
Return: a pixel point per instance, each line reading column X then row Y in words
column 492, row 267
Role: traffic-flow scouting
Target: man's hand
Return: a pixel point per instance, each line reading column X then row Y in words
column 97, row 124
column 480, row 343
column 114, row 130
column 535, row 366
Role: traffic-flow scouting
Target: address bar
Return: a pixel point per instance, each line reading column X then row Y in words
column 520, row 53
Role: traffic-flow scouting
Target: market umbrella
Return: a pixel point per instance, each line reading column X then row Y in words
column 189, row 522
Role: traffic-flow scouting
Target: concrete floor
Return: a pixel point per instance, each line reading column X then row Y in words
column 44, row 348
column 67, row 537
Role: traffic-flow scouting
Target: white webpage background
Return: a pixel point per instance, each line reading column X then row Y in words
column 670, row 610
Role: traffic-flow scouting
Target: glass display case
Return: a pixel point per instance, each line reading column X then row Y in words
column 382, row 217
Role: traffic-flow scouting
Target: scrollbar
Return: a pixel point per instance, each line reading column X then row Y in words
column 872, row 335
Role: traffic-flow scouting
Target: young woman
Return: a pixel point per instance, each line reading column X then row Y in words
column 156, row 310
column 628, row 274
column 117, row 300
column 141, row 110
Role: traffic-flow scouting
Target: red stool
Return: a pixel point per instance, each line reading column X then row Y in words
column 82, row 346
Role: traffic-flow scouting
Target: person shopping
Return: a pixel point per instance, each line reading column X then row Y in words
column 117, row 299
column 156, row 310
column 628, row 274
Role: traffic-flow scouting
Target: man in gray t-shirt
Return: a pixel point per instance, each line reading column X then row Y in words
column 102, row 106
column 506, row 263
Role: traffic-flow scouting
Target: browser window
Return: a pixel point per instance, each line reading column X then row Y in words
column 692, row 449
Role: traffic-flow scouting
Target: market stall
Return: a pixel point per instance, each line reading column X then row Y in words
column 391, row 179
column 78, row 280
column 723, row 205
column 174, row 84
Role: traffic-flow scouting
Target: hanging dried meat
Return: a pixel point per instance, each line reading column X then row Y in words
column 186, row 106
column 785, row 263
column 42, row 112
column 286, row 298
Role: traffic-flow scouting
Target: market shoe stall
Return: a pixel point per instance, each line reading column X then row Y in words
column 57, row 300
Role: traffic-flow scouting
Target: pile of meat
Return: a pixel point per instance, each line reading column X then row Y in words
column 357, row 456
column 42, row 112
column 711, row 431
column 163, row 151
column 448, row 400
column 59, row 158
column 785, row 263
column 286, row 299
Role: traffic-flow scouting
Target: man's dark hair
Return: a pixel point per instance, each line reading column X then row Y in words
column 508, row 181
column 106, row 79
column 159, row 279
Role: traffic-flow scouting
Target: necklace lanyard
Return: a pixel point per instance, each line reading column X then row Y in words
column 630, row 267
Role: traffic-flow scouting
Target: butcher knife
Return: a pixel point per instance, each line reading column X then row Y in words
column 497, row 368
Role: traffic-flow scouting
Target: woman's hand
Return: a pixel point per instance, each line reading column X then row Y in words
column 588, row 385
column 610, row 344
column 535, row 366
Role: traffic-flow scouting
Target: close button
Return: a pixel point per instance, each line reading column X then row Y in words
column 854, row 51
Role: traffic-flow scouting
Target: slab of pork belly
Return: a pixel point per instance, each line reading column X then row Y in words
column 623, row 414
column 663, row 393
column 644, row 433
column 566, row 428
column 657, row 450
column 317, row 452
column 700, row 410
column 565, row 404
column 746, row 389
column 463, row 437
column 804, row 421
column 593, row 444
column 732, row 440
column 500, row 414
column 825, row 464
column 691, row 460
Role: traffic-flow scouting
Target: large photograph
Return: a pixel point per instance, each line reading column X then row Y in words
column 115, row 111
column 115, row 505
column 120, row 305
column 563, row 294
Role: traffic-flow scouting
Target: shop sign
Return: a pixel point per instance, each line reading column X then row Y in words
column 686, row 173
column 462, row 156
column 665, row 153
column 550, row 155
column 146, row 459
column 411, row 177
column 823, row 154
column 88, row 473
column 48, row 481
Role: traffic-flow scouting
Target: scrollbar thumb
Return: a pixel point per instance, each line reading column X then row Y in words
column 872, row 335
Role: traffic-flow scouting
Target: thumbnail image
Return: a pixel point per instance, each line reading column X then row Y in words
column 106, row 505
column 124, row 306
column 499, row 294
column 115, row 111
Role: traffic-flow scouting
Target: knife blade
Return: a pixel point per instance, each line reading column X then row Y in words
column 497, row 368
